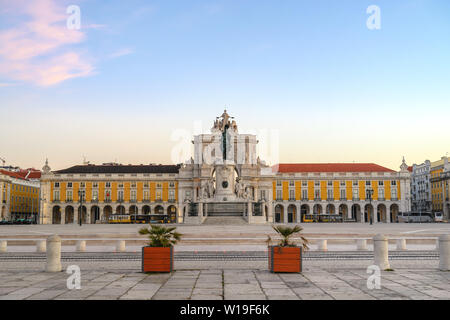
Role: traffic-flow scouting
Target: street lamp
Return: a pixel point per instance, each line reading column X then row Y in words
column 369, row 193
column 420, row 211
column 80, row 196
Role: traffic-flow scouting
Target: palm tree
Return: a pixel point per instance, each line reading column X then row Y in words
column 161, row 236
column 286, row 233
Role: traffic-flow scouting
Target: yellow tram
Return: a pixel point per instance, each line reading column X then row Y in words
column 119, row 218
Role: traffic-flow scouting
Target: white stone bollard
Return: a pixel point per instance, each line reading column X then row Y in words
column 381, row 251
column 361, row 244
column 53, row 254
column 322, row 245
column 81, row 246
column 120, row 246
column 3, row 246
column 401, row 244
column 444, row 252
column 41, row 246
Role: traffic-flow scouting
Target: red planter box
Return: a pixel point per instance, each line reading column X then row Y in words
column 285, row 259
column 156, row 259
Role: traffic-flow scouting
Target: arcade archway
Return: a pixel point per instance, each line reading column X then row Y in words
column 56, row 215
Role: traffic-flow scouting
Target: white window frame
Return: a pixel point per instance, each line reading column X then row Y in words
column 120, row 195
column 291, row 194
column 304, row 194
column 279, row 194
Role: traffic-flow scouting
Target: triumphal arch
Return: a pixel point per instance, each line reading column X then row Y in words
column 225, row 177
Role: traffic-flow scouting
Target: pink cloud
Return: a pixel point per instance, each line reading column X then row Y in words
column 38, row 50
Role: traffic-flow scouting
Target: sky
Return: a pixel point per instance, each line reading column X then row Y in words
column 139, row 78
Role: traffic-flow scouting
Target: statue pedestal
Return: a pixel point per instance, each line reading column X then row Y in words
column 225, row 179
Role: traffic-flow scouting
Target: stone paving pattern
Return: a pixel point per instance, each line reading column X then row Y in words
column 318, row 284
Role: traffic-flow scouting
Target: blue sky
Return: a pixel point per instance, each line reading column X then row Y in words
column 138, row 70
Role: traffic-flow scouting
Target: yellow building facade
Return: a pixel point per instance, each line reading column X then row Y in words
column 19, row 197
column 339, row 192
column 101, row 192
column 439, row 172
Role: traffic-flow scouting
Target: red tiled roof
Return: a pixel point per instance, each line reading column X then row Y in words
column 13, row 174
column 30, row 173
column 23, row 174
column 410, row 168
column 329, row 167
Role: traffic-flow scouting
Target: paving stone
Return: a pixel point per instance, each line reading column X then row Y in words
column 146, row 286
column 274, row 285
column 170, row 297
column 437, row 294
column 206, row 297
column 279, row 292
column 175, row 291
column 311, row 296
column 46, row 295
column 282, row 297
column 26, row 292
column 203, row 291
column 112, row 291
column 6, row 290
column 76, row 294
column 245, row 297
column 350, row 296
column 242, row 289
column 103, row 298
column 136, row 296
column 209, row 285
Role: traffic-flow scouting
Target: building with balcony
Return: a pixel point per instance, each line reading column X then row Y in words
column 439, row 181
column 19, row 194
column 301, row 190
column 421, row 187
column 103, row 190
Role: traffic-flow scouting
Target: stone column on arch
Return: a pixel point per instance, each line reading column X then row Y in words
column 375, row 213
column 311, row 208
column 88, row 215
column 200, row 209
column 180, row 218
column 63, row 215
column 75, row 214
column 263, row 209
column 349, row 210
column 270, row 213
column 388, row 213
column 362, row 210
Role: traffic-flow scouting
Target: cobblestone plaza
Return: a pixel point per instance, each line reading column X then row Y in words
column 315, row 283
column 322, row 279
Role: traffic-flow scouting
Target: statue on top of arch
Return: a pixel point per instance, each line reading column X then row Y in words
column 223, row 122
